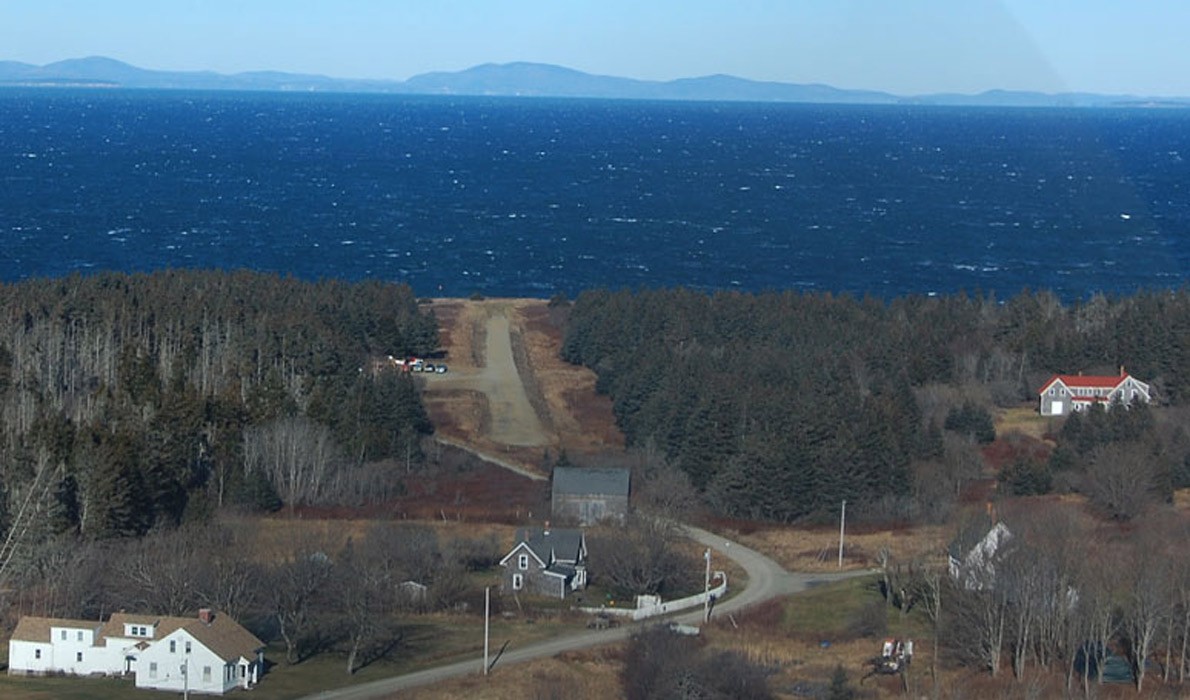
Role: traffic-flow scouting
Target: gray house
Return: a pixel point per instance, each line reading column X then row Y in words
column 548, row 562
column 589, row 496
column 1066, row 393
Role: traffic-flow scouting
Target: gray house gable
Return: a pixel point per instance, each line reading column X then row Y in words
column 523, row 547
column 548, row 562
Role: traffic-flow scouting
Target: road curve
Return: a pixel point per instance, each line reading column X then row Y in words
column 766, row 580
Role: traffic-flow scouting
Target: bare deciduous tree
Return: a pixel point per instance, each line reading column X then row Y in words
column 294, row 585
column 297, row 455
column 159, row 570
column 1120, row 479
column 642, row 558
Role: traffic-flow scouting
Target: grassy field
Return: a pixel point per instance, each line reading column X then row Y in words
column 1026, row 420
column 804, row 637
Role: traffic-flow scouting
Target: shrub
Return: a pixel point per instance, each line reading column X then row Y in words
column 1027, row 478
column 973, row 420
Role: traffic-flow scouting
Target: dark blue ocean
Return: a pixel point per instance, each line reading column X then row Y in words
column 529, row 197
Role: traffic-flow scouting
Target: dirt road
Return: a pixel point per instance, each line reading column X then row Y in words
column 483, row 362
column 513, row 420
column 766, row 580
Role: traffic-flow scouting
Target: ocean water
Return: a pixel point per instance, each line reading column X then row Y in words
column 512, row 197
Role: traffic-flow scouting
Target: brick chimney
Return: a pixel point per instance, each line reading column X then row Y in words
column 206, row 615
column 546, row 531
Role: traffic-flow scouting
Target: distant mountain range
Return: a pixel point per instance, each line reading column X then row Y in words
column 532, row 80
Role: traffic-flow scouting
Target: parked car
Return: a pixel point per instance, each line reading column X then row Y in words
column 441, row 369
column 429, row 368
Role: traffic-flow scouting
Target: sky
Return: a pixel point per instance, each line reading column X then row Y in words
column 901, row 46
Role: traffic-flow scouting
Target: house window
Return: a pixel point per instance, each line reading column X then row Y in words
column 518, row 582
column 187, row 647
column 173, row 646
column 64, row 635
column 206, row 674
column 523, row 562
column 152, row 669
column 78, row 656
column 80, row 635
column 37, row 653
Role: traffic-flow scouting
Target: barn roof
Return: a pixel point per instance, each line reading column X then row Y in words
column 574, row 481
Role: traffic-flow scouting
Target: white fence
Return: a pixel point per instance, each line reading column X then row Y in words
column 665, row 607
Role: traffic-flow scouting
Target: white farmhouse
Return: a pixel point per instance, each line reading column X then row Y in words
column 210, row 653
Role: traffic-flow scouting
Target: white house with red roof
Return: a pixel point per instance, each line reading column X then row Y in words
column 1065, row 393
column 209, row 653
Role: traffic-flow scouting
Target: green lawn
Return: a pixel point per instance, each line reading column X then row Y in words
column 826, row 612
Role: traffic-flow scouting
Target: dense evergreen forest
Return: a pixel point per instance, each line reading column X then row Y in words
column 129, row 402
column 780, row 405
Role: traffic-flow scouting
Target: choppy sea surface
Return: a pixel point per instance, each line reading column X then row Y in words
column 530, row 197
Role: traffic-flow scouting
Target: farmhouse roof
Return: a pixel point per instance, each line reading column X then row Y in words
column 1086, row 381
column 37, row 629
column 577, row 481
column 224, row 636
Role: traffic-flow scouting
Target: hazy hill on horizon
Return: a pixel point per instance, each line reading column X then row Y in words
column 524, row 79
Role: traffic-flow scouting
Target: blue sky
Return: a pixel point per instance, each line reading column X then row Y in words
column 902, row 46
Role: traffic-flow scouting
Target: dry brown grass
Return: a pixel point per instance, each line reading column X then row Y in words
column 279, row 534
column 461, row 414
column 1181, row 500
column 817, row 549
column 587, row 675
column 583, row 420
column 1025, row 420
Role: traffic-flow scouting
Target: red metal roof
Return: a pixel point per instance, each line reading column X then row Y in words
column 1085, row 381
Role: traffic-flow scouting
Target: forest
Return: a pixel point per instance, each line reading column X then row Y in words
column 134, row 402
column 780, row 405
column 135, row 408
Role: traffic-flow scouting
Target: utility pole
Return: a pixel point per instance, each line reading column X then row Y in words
column 487, row 616
column 842, row 527
column 706, row 589
column 186, row 679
